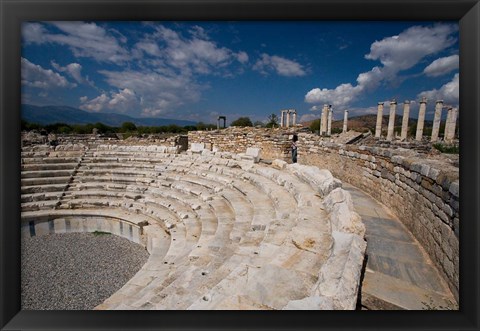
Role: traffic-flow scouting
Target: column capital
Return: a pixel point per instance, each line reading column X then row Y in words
column 439, row 101
column 381, row 103
column 393, row 102
column 424, row 100
column 407, row 102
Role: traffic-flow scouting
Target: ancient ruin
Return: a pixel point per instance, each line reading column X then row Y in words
column 285, row 118
column 229, row 223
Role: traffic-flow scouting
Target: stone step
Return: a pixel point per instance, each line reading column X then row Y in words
column 127, row 172
column 47, row 173
column 39, row 205
column 126, row 165
column 43, row 188
column 48, row 166
column 41, row 196
column 50, row 160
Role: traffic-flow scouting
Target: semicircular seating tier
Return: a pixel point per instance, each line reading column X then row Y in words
column 222, row 232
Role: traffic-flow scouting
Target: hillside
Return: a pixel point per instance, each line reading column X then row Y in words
column 62, row 114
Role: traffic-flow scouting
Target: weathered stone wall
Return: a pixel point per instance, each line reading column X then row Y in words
column 273, row 142
column 423, row 193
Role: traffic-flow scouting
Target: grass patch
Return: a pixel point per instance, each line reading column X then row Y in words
column 447, row 149
column 100, row 233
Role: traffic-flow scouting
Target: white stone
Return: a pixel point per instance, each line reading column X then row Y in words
column 340, row 275
column 310, row 303
column 320, row 179
column 279, row 164
column 197, row 147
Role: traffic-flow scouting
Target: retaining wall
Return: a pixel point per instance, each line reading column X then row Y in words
column 273, row 142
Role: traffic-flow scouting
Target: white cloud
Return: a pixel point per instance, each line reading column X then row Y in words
column 35, row 76
column 73, row 69
column 122, row 101
column 83, row 39
column 193, row 54
column 442, row 66
column 158, row 93
column 282, row 66
column 449, row 92
column 409, row 47
column 242, row 57
column 396, row 53
column 33, row 33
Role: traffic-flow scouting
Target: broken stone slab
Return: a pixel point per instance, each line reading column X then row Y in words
column 254, row 152
column 340, row 275
column 321, row 180
column 279, row 164
column 343, row 217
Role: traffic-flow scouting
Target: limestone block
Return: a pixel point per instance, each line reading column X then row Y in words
column 321, row 180
column 197, row 147
column 254, row 152
column 340, row 275
column 455, row 188
column 279, row 164
column 342, row 213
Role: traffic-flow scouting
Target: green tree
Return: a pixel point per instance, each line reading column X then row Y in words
column 272, row 121
column 242, row 121
column 128, row 127
column 259, row 123
column 315, row 125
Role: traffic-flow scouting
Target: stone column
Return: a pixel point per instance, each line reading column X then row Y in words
column 436, row 120
column 421, row 119
column 450, row 125
column 406, row 116
column 391, row 119
column 282, row 118
column 378, row 128
column 288, row 118
column 345, row 119
column 454, row 121
column 446, row 132
column 329, row 121
column 294, row 117
column 323, row 131
column 218, row 123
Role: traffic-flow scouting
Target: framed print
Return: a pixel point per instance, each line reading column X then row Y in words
column 239, row 164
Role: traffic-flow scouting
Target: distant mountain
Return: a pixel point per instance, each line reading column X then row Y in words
column 62, row 114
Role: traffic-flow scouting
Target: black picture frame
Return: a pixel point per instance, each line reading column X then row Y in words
column 14, row 12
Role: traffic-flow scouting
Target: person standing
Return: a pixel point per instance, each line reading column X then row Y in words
column 294, row 148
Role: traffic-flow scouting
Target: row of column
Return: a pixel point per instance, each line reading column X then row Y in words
column 450, row 124
column 285, row 118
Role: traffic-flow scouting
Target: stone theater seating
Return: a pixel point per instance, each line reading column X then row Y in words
column 222, row 231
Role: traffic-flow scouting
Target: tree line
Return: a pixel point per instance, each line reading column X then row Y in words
column 131, row 128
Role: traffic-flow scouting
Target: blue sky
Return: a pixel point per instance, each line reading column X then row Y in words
column 200, row 70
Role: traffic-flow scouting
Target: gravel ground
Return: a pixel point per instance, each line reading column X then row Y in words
column 76, row 271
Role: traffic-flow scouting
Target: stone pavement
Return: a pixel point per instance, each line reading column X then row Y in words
column 398, row 273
